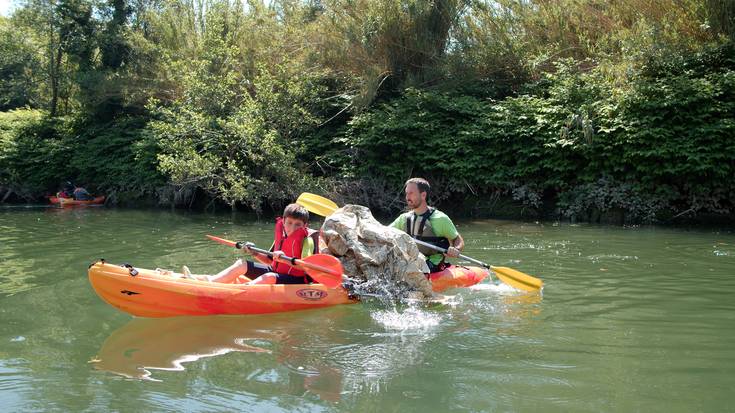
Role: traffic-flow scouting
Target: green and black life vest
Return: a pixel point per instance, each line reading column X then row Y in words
column 424, row 232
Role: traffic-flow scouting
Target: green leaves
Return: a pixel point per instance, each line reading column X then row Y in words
column 236, row 147
column 38, row 153
column 19, row 67
column 587, row 105
column 662, row 141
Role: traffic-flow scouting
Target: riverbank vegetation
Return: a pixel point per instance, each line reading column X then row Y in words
column 586, row 110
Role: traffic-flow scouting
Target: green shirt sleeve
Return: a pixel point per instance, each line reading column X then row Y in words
column 308, row 248
column 399, row 223
column 443, row 226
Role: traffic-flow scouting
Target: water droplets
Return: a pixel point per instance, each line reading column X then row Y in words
column 411, row 318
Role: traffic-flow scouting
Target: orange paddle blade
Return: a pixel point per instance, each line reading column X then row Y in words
column 223, row 241
column 325, row 269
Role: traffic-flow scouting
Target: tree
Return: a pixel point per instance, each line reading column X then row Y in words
column 40, row 18
column 19, row 68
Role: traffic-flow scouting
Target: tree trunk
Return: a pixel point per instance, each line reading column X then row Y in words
column 7, row 194
column 55, row 71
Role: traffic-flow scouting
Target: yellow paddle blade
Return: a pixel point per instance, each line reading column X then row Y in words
column 317, row 204
column 517, row 279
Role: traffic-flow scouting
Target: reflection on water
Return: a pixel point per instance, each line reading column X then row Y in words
column 146, row 344
column 37, row 240
column 381, row 351
column 295, row 354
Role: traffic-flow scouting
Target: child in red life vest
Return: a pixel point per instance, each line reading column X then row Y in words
column 292, row 238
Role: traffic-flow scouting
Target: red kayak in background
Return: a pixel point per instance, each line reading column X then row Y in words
column 73, row 202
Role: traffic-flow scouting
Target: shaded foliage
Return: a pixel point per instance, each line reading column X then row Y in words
column 233, row 135
column 37, row 154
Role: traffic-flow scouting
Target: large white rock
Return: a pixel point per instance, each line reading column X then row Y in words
column 380, row 259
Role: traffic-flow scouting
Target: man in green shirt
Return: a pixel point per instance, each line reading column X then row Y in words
column 428, row 224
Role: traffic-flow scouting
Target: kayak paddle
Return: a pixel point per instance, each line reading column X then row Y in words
column 324, row 269
column 516, row 279
column 317, row 204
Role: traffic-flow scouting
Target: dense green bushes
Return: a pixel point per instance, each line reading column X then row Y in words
column 663, row 144
column 18, row 69
column 236, row 139
column 37, row 154
column 30, row 153
column 664, row 141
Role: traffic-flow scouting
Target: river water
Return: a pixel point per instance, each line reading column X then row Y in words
column 630, row 319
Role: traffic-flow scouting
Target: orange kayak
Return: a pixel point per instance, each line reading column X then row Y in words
column 74, row 202
column 152, row 293
column 457, row 276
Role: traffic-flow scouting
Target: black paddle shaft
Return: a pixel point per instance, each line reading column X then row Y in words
column 444, row 251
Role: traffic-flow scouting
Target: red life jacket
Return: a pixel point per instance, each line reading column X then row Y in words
column 292, row 246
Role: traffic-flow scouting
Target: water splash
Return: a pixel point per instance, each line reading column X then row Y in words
column 387, row 291
column 412, row 318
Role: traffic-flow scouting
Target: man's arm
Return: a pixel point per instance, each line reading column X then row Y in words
column 445, row 228
column 399, row 223
column 457, row 246
column 458, row 242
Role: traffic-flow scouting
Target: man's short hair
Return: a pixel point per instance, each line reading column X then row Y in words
column 421, row 183
column 296, row 211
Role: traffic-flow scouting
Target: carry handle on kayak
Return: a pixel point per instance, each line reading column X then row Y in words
column 324, row 269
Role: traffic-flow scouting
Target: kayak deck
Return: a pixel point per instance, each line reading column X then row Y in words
column 153, row 294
